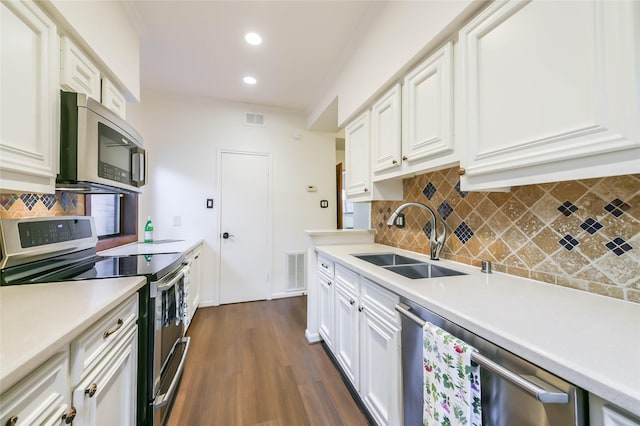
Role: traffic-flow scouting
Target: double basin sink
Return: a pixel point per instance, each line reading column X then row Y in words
column 406, row 266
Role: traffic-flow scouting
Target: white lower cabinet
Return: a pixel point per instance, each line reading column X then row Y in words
column 326, row 302
column 194, row 260
column 603, row 413
column 367, row 343
column 92, row 381
column 347, row 333
column 42, row 398
column 107, row 396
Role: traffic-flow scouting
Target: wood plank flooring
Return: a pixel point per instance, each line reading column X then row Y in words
column 250, row 364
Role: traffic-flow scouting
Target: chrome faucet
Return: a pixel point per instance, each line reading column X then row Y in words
column 435, row 242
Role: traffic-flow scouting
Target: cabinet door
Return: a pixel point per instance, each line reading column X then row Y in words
column 357, row 158
column 79, row 74
column 195, row 279
column 347, row 334
column 380, row 385
column 29, row 99
column 41, row 398
column 549, row 91
column 325, row 309
column 428, row 111
column 386, row 129
column 108, row 395
column 113, row 99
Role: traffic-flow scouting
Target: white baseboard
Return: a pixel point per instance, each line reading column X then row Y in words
column 207, row 304
column 288, row 294
column 312, row 337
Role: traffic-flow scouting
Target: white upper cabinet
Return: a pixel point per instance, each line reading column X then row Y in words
column 359, row 185
column 549, row 92
column 427, row 111
column 358, row 172
column 386, row 142
column 113, row 99
column 77, row 72
column 29, row 99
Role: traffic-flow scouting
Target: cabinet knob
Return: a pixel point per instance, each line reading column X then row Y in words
column 13, row 420
column 352, row 302
column 329, row 283
column 394, row 162
column 405, row 158
column 361, row 308
column 461, row 171
column 69, row 415
column 91, row 390
column 366, row 189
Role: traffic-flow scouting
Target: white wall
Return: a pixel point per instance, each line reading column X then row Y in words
column 398, row 37
column 104, row 28
column 182, row 135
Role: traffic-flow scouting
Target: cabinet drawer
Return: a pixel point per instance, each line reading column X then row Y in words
column 42, row 397
column 347, row 280
column 325, row 265
column 91, row 346
column 380, row 300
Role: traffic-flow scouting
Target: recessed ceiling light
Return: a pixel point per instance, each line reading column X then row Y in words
column 253, row 39
column 250, row 80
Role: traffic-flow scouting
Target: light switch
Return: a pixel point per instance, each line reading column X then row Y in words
column 177, row 221
column 209, row 203
column 324, row 204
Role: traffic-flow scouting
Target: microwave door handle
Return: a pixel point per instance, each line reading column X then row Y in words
column 138, row 166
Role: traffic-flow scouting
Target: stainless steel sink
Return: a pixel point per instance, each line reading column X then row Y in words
column 386, row 259
column 423, row 270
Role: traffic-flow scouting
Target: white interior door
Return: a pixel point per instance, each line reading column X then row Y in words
column 245, row 223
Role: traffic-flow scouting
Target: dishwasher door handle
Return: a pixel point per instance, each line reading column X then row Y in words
column 540, row 390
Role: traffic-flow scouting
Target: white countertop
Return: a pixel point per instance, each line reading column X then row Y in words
column 38, row 320
column 589, row 340
column 160, row 246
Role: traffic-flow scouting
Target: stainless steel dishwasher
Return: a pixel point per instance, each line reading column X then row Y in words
column 514, row 391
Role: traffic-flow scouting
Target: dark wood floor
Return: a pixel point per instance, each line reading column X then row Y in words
column 249, row 364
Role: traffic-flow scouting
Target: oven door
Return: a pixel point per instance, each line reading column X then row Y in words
column 170, row 347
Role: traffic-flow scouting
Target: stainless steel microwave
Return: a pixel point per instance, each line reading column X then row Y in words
column 99, row 151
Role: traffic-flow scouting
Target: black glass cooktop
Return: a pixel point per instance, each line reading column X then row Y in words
column 153, row 266
column 76, row 267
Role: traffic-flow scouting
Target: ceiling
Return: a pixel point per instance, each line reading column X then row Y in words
column 198, row 47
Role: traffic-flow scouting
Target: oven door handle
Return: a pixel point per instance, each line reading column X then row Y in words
column 542, row 391
column 172, row 281
column 162, row 399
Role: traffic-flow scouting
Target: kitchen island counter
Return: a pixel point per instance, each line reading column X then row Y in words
column 590, row 340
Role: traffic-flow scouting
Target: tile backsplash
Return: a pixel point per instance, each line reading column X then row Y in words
column 583, row 234
column 28, row 205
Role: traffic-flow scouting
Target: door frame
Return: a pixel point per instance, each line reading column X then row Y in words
column 219, row 153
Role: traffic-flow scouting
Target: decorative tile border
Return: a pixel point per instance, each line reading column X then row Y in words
column 27, row 205
column 583, row 234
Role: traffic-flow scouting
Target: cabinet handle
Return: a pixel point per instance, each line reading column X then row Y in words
column 113, row 330
column 394, row 162
column 69, row 415
column 91, row 390
column 352, row 302
column 461, row 171
column 13, row 420
column 329, row 283
column 366, row 189
column 360, row 308
column 405, row 158
column 324, row 266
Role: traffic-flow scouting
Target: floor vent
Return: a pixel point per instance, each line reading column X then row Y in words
column 253, row 119
column 296, row 271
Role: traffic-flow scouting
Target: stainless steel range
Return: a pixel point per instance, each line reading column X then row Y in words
column 52, row 249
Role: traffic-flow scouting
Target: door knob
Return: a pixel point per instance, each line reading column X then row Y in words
column 227, row 235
